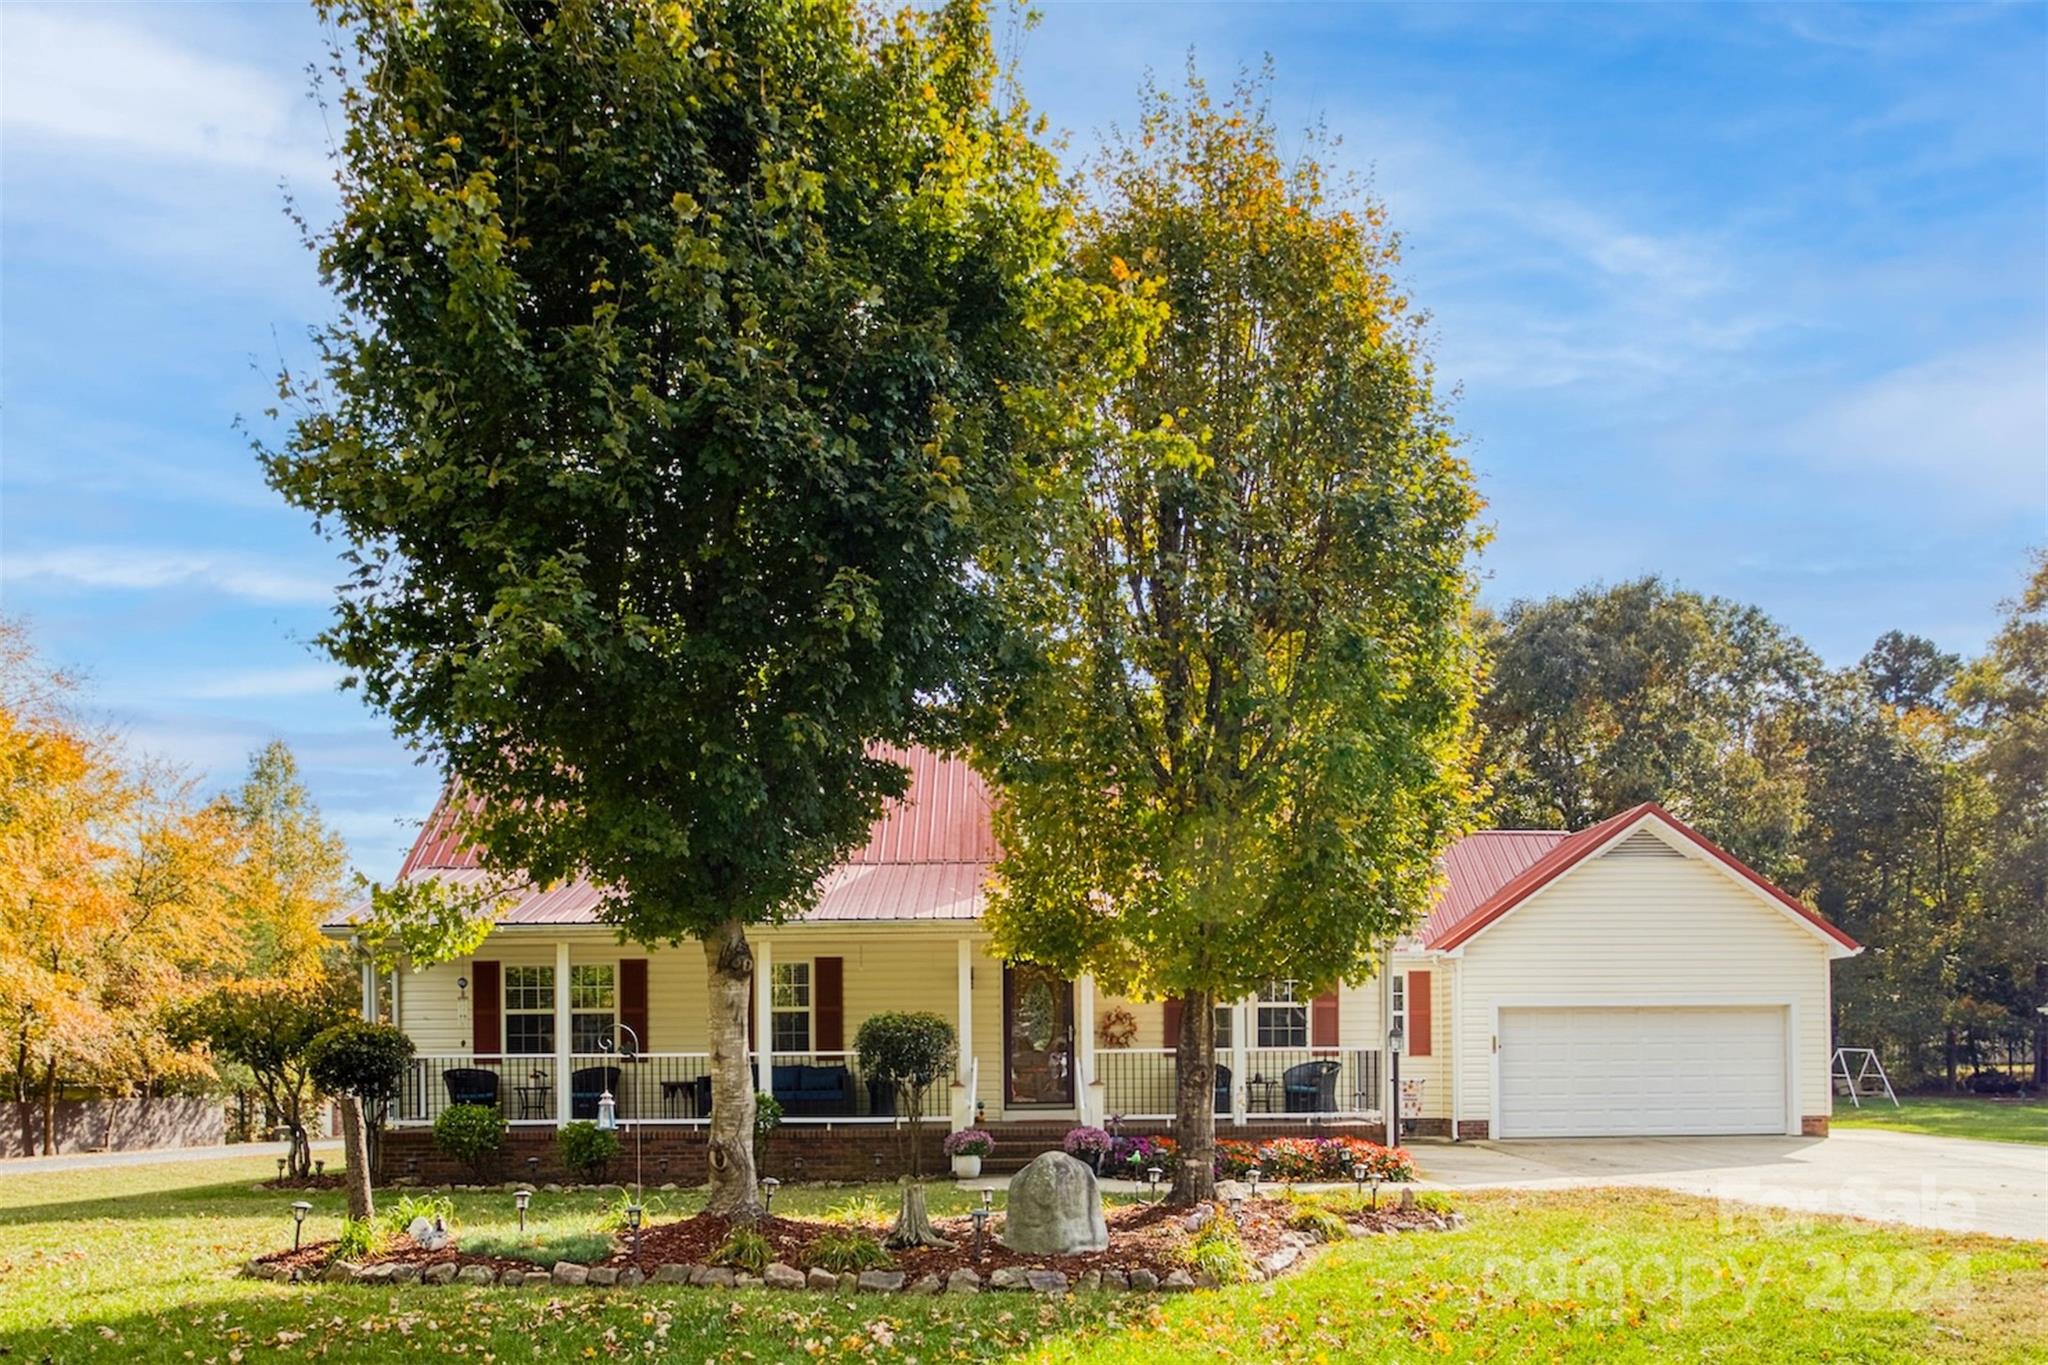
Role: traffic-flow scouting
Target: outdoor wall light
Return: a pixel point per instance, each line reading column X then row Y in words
column 299, row 1212
column 522, row 1198
column 769, row 1185
column 607, row 1112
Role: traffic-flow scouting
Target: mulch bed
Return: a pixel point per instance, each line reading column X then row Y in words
column 1141, row 1236
column 308, row 1182
column 1150, row 1236
column 311, row 1258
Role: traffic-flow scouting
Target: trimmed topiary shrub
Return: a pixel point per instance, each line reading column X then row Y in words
column 473, row 1134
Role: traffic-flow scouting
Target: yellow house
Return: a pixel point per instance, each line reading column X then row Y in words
column 1628, row 978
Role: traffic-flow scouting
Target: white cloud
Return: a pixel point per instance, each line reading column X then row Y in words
column 1974, row 422
column 133, row 570
column 76, row 76
column 304, row 680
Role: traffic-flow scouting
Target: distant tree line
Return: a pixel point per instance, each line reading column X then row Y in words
column 1905, row 796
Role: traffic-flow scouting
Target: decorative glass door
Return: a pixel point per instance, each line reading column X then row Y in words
column 1038, row 1037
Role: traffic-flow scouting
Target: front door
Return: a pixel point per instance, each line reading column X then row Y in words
column 1038, row 1037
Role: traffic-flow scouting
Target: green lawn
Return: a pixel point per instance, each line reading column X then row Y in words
column 138, row 1263
column 1951, row 1116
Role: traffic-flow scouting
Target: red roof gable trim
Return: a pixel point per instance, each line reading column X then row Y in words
column 1574, row 849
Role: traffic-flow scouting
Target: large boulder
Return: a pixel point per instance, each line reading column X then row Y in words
column 1055, row 1209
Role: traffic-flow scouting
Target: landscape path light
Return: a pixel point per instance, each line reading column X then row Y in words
column 299, row 1212
column 522, row 1198
column 1358, row 1176
column 769, row 1185
column 980, row 1217
column 1253, row 1175
column 633, row 1213
column 1152, row 1178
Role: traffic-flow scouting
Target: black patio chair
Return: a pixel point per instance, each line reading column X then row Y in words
column 471, row 1085
column 1311, row 1087
column 586, row 1085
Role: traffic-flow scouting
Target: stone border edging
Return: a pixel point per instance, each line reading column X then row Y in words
column 1295, row 1252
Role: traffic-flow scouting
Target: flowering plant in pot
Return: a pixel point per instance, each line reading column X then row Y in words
column 967, row 1147
column 1089, row 1144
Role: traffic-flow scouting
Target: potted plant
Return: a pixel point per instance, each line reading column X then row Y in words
column 967, row 1147
column 1089, row 1144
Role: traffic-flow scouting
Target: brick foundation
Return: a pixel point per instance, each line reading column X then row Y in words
column 805, row 1151
column 1474, row 1130
column 1813, row 1125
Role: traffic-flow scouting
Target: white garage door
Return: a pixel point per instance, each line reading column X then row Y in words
column 1601, row 1072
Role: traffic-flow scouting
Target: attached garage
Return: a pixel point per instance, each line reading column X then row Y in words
column 1608, row 1071
column 1628, row 980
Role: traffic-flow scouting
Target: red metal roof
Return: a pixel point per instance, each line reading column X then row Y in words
column 926, row 858
column 1463, row 910
column 929, row 856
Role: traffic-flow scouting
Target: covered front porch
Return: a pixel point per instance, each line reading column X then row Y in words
column 545, row 1021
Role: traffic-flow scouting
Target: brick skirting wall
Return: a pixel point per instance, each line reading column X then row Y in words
column 1474, row 1130
column 806, row 1152
column 800, row 1151
column 1813, row 1125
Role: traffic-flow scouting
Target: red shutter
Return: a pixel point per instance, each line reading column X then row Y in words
column 633, row 1000
column 1322, row 1020
column 1173, row 1010
column 488, row 994
column 828, row 1004
column 1418, row 1014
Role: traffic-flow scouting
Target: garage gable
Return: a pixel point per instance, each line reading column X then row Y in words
column 1649, row 833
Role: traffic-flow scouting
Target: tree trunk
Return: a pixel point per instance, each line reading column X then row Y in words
column 2041, row 1023
column 1949, row 1057
column 1194, row 1123
column 729, row 962
column 913, row 1224
column 50, row 1108
column 355, row 1147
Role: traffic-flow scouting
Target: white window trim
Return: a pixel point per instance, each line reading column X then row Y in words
column 809, row 1009
column 1261, row 1003
column 612, row 1029
column 506, row 1012
column 1397, row 1007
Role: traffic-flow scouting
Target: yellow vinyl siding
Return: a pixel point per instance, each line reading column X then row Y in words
column 1643, row 931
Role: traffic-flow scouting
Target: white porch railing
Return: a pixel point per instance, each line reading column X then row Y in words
column 651, row 1087
column 1278, row 1083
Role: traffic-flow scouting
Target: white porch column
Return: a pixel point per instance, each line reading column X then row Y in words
column 561, row 1033
column 1240, row 1058
column 964, row 1070
column 397, row 1010
column 764, row 1016
column 1087, row 1089
column 369, row 988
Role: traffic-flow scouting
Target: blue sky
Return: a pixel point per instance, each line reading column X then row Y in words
column 1753, row 298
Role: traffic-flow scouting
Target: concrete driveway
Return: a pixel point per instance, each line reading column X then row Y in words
column 1956, row 1184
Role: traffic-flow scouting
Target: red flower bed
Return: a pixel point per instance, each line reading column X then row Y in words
column 1312, row 1158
